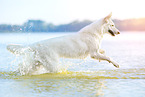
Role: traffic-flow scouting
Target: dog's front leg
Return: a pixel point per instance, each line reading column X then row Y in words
column 101, row 51
column 99, row 56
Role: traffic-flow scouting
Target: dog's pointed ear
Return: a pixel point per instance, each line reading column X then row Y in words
column 107, row 17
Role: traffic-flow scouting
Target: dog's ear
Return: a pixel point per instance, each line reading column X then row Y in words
column 107, row 17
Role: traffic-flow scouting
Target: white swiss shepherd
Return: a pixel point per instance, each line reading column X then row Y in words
column 80, row 45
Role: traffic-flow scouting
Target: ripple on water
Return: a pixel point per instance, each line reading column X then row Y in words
column 101, row 74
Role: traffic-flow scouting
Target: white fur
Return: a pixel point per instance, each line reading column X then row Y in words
column 80, row 45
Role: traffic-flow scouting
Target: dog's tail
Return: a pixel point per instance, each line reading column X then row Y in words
column 17, row 49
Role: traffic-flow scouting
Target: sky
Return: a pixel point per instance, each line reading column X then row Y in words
column 65, row 11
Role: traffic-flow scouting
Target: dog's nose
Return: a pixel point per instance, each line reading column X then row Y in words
column 118, row 32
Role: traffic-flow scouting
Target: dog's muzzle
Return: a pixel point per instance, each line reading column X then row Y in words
column 111, row 32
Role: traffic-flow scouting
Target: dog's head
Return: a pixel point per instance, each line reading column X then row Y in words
column 109, row 26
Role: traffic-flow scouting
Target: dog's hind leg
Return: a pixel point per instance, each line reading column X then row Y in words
column 100, row 56
column 49, row 62
column 50, row 65
column 53, row 66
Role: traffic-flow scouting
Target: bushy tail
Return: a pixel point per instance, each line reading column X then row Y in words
column 15, row 49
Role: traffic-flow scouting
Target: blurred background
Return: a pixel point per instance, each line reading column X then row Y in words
column 68, row 15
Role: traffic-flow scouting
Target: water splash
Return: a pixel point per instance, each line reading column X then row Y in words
column 29, row 63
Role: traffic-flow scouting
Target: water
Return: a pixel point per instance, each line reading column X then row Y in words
column 87, row 78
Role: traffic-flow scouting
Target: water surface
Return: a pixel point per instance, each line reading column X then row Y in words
column 87, row 78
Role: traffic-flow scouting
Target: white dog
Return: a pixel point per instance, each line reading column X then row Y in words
column 86, row 42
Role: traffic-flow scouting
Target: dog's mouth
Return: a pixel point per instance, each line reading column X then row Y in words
column 111, row 32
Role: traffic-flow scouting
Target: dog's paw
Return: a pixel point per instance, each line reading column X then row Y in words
column 116, row 65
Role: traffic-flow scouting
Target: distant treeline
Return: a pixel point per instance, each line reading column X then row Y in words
column 42, row 26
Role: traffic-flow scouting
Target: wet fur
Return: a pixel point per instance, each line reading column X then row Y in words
column 80, row 45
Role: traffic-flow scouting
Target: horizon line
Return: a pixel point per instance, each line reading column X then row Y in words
column 67, row 22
